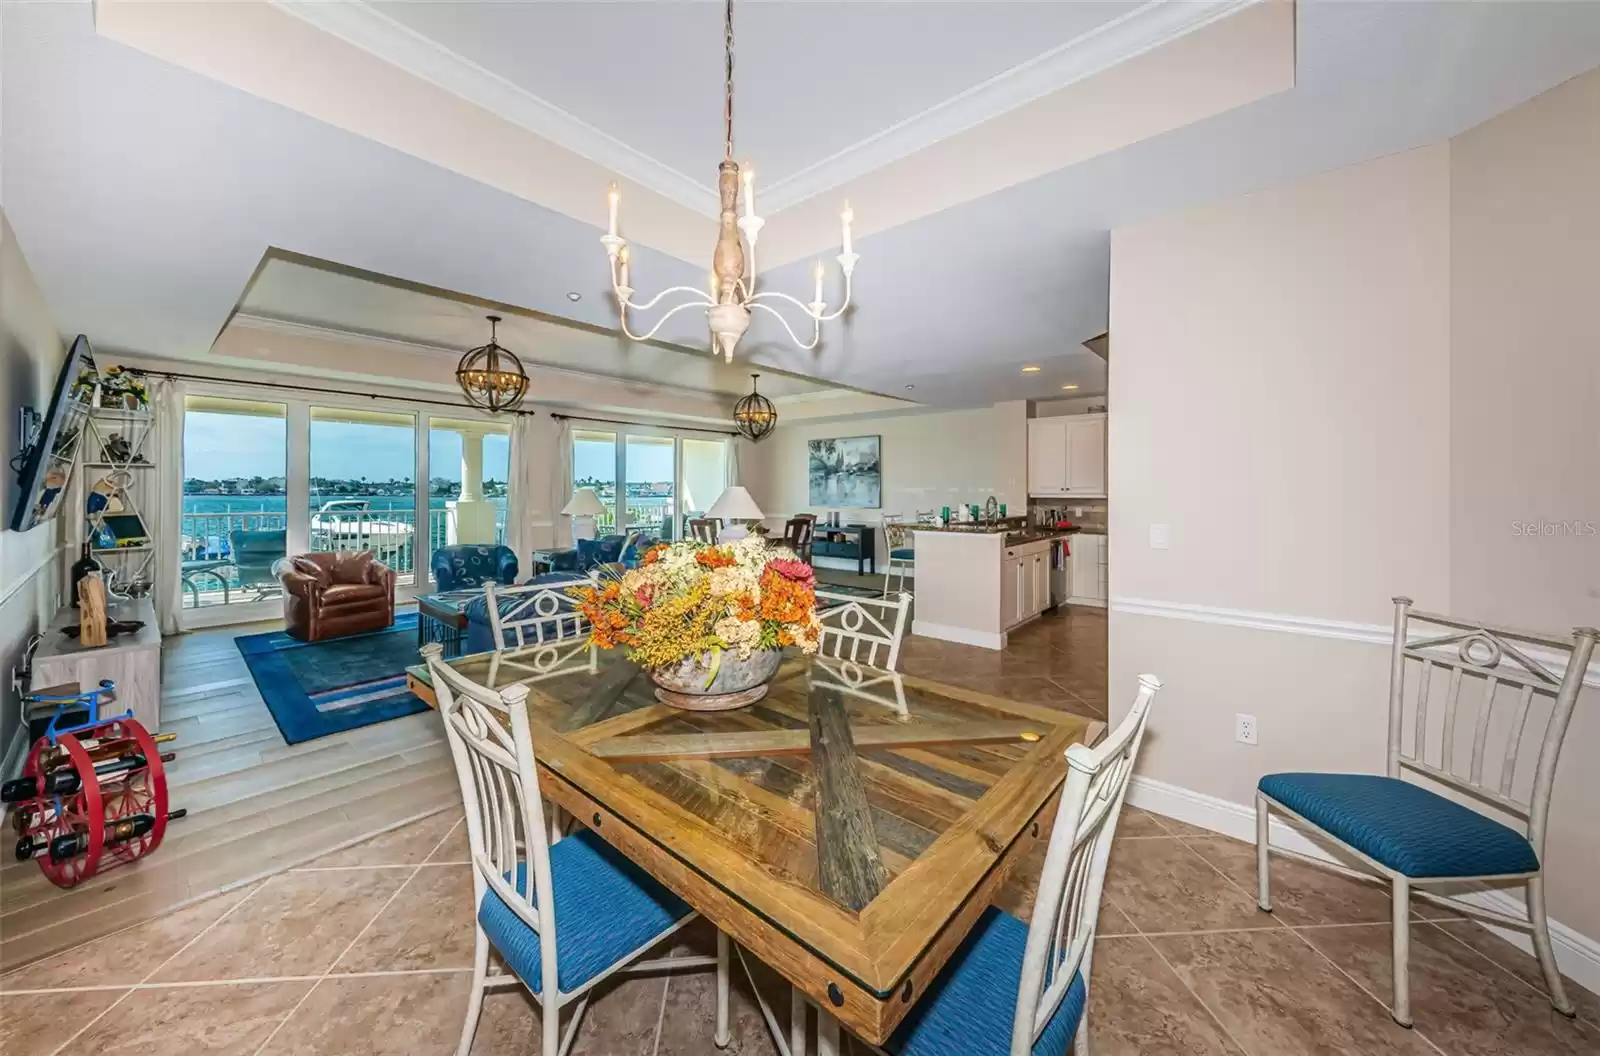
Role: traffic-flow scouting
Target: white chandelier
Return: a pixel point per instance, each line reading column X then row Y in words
column 731, row 292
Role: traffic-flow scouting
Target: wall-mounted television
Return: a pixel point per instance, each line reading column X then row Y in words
column 45, row 467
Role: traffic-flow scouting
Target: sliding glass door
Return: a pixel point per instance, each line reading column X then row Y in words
column 235, row 519
column 363, row 490
column 665, row 476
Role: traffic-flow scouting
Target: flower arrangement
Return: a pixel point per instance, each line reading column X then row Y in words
column 688, row 600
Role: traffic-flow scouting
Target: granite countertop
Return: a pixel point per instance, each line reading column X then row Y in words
column 1014, row 535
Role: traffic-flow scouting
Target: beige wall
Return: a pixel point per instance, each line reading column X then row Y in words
column 1525, row 373
column 1344, row 389
column 30, row 355
column 930, row 459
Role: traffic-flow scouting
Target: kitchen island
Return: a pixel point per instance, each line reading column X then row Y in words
column 975, row 583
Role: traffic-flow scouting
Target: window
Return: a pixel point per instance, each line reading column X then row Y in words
column 363, row 484
column 651, row 484
column 469, row 467
column 235, row 521
column 594, row 465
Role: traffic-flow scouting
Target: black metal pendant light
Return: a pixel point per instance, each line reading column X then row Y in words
column 755, row 416
column 491, row 376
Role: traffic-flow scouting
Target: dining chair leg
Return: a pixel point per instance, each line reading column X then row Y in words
column 480, row 972
column 721, row 1037
column 1080, row 1041
column 797, row 1022
column 827, row 1034
column 1401, row 923
column 1542, row 947
column 1263, row 855
column 549, row 1023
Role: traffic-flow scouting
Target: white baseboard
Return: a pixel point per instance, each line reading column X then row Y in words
column 1091, row 603
column 964, row 635
column 1576, row 953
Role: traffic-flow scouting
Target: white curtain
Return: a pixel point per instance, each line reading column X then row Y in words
column 735, row 445
column 524, row 499
column 561, row 484
column 166, row 400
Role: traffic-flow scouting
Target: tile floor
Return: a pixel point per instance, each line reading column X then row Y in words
column 366, row 951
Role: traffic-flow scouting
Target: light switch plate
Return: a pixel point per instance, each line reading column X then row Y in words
column 1158, row 537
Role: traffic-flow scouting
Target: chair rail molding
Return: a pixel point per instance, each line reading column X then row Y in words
column 1577, row 954
column 1342, row 630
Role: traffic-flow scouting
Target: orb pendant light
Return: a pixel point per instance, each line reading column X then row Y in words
column 490, row 376
column 755, row 416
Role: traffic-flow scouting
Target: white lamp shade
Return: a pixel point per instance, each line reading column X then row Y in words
column 735, row 504
column 584, row 503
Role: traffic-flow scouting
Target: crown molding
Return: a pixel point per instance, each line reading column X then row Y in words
column 1140, row 30
column 1143, row 29
column 364, row 26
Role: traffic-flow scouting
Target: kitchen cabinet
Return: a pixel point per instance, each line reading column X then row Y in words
column 1090, row 568
column 1024, row 583
column 1067, row 456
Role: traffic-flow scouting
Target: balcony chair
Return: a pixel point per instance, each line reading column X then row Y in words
column 1409, row 835
column 254, row 555
column 574, row 909
column 467, row 565
column 1024, row 988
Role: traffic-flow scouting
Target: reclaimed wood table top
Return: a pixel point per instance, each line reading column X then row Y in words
column 849, row 829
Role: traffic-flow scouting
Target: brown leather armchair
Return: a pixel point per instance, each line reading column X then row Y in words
column 333, row 595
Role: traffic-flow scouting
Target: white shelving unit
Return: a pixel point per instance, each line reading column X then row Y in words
column 116, row 485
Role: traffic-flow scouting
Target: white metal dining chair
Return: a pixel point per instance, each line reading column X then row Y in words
column 577, row 912
column 902, row 552
column 534, row 615
column 857, row 628
column 1409, row 835
column 1023, row 989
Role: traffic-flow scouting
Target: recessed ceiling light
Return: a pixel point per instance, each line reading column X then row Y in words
column 910, row 387
column 1069, row 388
column 574, row 296
column 1031, row 370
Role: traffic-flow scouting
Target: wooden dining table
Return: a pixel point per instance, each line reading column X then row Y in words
column 849, row 829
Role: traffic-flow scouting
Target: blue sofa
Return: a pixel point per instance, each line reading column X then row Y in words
column 480, row 635
column 470, row 565
column 589, row 554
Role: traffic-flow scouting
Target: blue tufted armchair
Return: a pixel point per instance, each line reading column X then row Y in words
column 472, row 565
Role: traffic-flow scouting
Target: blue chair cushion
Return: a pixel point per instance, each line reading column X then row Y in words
column 480, row 636
column 1404, row 826
column 903, row 553
column 606, row 908
column 969, row 1008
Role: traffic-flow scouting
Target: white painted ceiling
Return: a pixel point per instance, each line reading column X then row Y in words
column 145, row 195
column 306, row 293
column 812, row 78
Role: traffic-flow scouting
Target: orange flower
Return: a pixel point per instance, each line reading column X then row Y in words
column 715, row 557
column 652, row 555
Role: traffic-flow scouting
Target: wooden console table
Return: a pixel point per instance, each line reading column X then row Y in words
column 132, row 661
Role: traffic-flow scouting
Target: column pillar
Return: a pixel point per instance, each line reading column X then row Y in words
column 472, row 519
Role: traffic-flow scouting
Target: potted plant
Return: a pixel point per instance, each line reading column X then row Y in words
column 709, row 622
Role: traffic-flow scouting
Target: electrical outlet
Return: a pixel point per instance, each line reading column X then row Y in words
column 1244, row 728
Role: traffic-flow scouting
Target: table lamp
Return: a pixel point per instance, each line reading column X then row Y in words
column 734, row 504
column 583, row 508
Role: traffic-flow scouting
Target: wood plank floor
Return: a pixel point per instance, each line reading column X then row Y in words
column 257, row 806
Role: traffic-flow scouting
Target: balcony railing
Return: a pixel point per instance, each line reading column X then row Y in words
column 222, row 564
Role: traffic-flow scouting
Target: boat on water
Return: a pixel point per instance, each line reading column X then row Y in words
column 350, row 524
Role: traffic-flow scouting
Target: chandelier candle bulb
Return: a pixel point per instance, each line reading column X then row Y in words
column 622, row 267
column 845, row 219
column 613, row 197
column 749, row 175
column 816, row 274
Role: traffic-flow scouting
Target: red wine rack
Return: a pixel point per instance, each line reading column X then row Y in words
column 98, row 803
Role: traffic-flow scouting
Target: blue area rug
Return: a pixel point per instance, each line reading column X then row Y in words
column 314, row 689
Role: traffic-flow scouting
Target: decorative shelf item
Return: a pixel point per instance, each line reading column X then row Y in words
column 118, row 436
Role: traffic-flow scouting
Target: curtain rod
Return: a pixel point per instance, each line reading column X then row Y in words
column 314, row 388
column 646, row 425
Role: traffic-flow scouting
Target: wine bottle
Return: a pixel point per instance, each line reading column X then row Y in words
column 99, row 749
column 31, row 847
column 63, row 782
column 23, row 819
column 84, row 566
column 132, row 827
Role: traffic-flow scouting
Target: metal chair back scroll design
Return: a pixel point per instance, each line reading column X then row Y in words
column 851, row 632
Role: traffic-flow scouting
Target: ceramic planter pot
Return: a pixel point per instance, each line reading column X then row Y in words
column 739, row 682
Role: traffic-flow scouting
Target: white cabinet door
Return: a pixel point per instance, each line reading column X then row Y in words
column 1047, row 456
column 1009, row 583
column 1040, row 565
column 1086, row 551
column 1086, row 455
